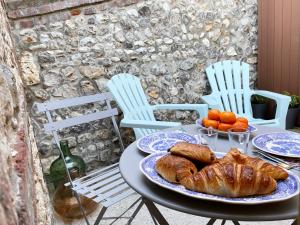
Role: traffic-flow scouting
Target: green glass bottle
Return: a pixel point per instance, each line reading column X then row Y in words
column 75, row 165
column 64, row 201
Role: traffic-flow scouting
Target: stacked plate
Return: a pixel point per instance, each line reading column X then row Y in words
column 285, row 144
column 163, row 141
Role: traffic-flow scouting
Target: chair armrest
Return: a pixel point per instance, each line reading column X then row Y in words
column 272, row 95
column 148, row 124
column 200, row 108
column 211, row 101
column 282, row 102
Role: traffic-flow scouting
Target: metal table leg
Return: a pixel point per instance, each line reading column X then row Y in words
column 223, row 222
column 296, row 222
column 155, row 212
column 154, row 220
column 211, row 221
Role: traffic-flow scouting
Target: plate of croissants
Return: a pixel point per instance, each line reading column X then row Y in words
column 233, row 177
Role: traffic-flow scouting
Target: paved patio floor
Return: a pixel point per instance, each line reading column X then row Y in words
column 144, row 218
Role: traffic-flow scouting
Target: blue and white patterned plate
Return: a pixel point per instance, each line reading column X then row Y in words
column 162, row 141
column 251, row 128
column 283, row 144
column 285, row 189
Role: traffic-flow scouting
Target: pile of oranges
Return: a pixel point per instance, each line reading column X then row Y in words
column 224, row 121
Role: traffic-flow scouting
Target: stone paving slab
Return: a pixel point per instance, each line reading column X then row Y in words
column 172, row 216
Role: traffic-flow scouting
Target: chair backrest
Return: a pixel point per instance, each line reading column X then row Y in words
column 128, row 92
column 229, row 81
column 54, row 126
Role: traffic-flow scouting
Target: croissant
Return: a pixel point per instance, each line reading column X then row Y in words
column 236, row 156
column 174, row 168
column 230, row 180
column 193, row 151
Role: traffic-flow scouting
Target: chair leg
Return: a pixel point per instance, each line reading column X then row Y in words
column 235, row 222
column 116, row 218
column 81, row 208
column 211, row 221
column 155, row 212
column 100, row 216
column 135, row 212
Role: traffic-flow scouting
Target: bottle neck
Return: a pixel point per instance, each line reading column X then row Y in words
column 65, row 148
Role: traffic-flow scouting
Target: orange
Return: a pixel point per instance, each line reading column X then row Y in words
column 214, row 114
column 239, row 125
column 227, row 117
column 211, row 123
column 224, row 126
column 242, row 119
column 204, row 121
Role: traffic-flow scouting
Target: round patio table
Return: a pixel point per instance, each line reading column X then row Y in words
column 129, row 167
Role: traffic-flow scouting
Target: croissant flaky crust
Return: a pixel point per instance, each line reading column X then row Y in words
column 174, row 168
column 230, row 180
column 193, row 151
column 236, row 156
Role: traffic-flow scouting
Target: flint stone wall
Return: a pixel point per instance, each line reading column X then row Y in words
column 23, row 194
column 167, row 44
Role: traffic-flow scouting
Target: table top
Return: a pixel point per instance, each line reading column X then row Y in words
column 129, row 167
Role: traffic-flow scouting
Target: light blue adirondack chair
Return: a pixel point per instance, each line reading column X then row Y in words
column 138, row 113
column 229, row 81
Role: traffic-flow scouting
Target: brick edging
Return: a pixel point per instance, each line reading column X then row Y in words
column 52, row 7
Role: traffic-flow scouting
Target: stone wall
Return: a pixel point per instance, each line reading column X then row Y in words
column 167, row 44
column 23, row 195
